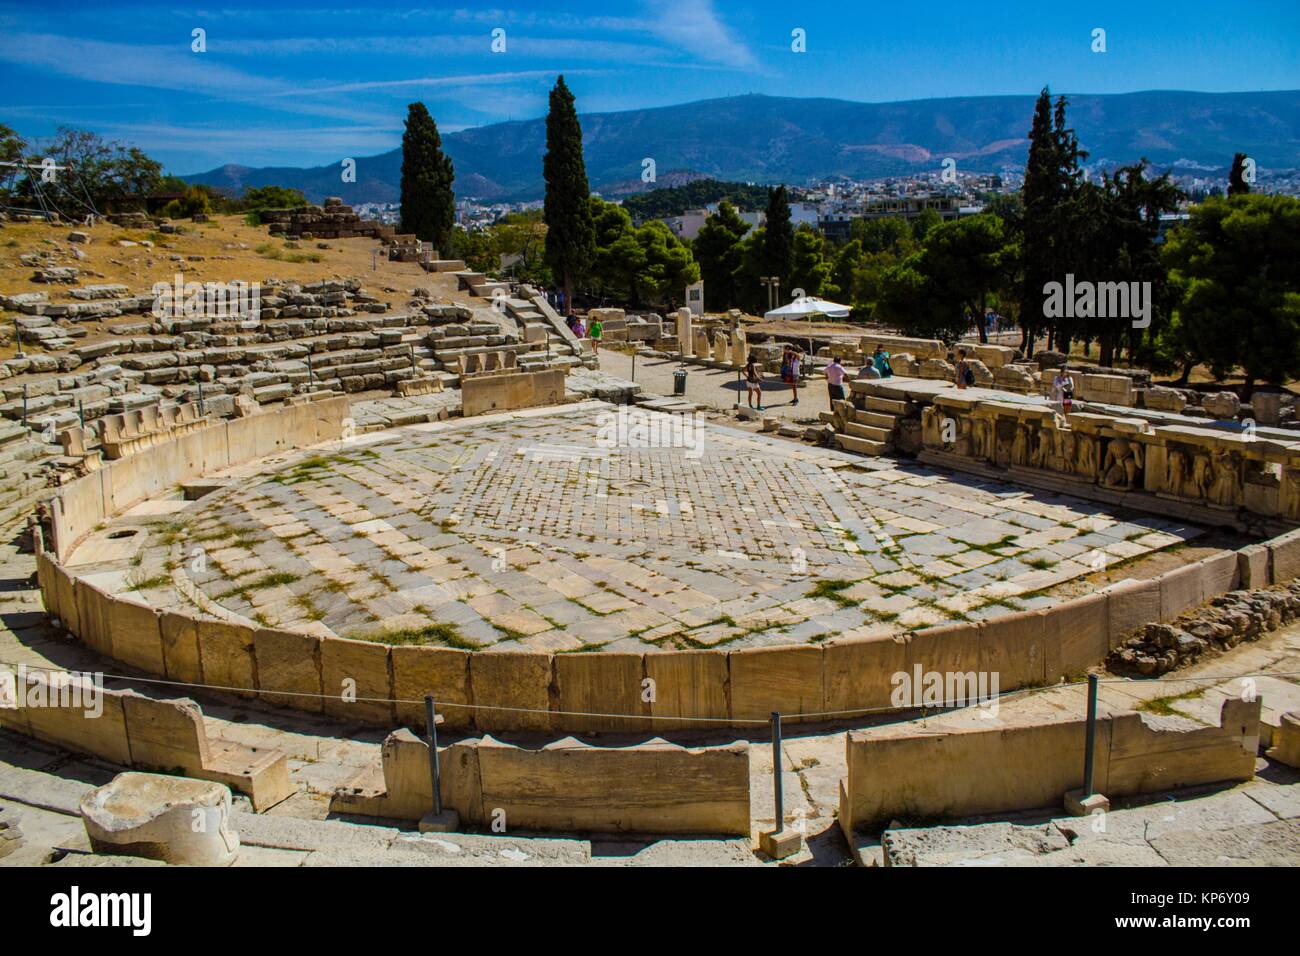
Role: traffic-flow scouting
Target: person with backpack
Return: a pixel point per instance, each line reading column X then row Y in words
column 880, row 359
column 965, row 375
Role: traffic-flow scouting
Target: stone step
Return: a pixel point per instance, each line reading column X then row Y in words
column 863, row 446
column 869, row 432
column 876, row 404
column 444, row 265
column 877, row 419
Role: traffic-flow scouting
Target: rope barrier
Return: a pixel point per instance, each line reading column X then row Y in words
column 611, row 716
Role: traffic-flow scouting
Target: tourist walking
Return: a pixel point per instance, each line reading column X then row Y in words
column 597, row 327
column 880, row 359
column 1063, row 390
column 791, row 366
column 965, row 376
column 835, row 380
column 753, row 383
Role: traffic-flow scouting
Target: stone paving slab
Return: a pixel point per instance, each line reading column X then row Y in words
column 599, row 526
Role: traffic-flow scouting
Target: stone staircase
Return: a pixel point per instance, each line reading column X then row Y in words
column 22, row 471
column 479, row 284
column 442, row 265
column 866, row 423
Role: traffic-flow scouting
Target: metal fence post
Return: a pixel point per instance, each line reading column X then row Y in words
column 1090, row 739
column 202, row 410
column 435, row 771
column 776, row 771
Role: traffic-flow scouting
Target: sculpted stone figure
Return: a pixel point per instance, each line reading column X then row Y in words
column 1176, row 473
column 1123, row 463
column 1085, row 459
column 1225, row 489
column 981, row 433
column 1202, row 475
column 1020, row 445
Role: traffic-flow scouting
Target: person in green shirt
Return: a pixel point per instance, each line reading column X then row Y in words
column 595, row 330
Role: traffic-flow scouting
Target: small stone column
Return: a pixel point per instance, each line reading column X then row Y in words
column 685, row 343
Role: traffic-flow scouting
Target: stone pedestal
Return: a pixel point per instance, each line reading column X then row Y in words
column 1077, row 805
column 1286, row 740
column 173, row 819
column 446, row 822
column 779, row 844
column 721, row 351
column 701, row 344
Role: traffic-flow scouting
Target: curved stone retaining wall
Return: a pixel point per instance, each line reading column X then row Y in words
column 927, row 773
column 663, row 691
column 654, row 787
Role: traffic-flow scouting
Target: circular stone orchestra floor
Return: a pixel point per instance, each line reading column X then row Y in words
column 533, row 532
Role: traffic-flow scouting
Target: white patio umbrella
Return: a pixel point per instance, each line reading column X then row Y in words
column 808, row 306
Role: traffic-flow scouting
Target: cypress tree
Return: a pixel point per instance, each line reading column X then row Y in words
column 428, row 204
column 570, row 233
column 1039, row 194
column 1237, row 185
column 778, row 238
column 1051, row 193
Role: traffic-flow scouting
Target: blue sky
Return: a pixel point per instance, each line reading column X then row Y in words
column 305, row 84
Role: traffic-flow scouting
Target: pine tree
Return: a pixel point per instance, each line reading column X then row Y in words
column 778, row 238
column 718, row 251
column 1237, row 185
column 428, row 204
column 570, row 234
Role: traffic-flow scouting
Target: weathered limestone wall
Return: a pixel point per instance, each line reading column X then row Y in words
column 502, row 391
column 950, row 771
column 1215, row 471
column 85, row 502
column 654, row 787
column 724, row 687
column 126, row 728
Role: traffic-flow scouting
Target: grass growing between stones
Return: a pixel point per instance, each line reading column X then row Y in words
column 1163, row 706
column 157, row 581
column 831, row 591
column 274, row 579
column 439, row 635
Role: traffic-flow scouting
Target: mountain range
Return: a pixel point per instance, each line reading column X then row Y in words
column 769, row 139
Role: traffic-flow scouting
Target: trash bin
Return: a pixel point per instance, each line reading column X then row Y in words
column 679, row 382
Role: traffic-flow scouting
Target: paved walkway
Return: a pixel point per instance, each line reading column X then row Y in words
column 721, row 389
